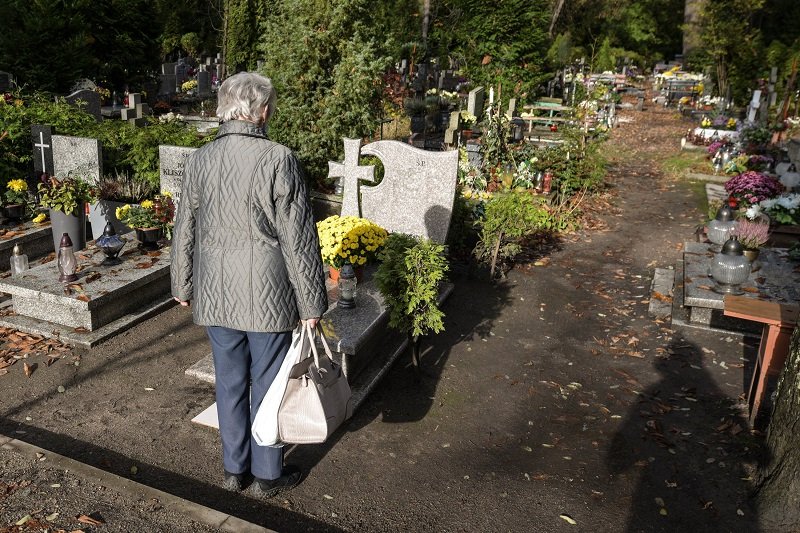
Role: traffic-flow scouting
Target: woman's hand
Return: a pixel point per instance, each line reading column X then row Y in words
column 311, row 322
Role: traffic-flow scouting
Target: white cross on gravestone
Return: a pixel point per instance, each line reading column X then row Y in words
column 41, row 146
column 351, row 173
column 41, row 135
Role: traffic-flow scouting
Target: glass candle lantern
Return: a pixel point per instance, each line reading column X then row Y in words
column 67, row 263
column 719, row 230
column 347, row 287
column 730, row 268
column 110, row 244
column 19, row 261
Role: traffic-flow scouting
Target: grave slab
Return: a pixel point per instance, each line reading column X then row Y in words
column 90, row 102
column 102, row 296
column 773, row 278
column 35, row 240
column 661, row 293
column 378, row 347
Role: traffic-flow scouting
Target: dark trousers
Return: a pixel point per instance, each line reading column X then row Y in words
column 242, row 358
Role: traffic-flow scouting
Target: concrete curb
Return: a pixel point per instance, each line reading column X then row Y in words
column 197, row 512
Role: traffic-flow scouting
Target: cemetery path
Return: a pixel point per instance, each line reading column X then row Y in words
column 551, row 397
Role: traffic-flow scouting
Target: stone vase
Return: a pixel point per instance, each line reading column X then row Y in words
column 105, row 212
column 73, row 223
column 418, row 124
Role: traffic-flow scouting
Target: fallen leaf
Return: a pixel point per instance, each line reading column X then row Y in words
column 568, row 519
column 752, row 290
column 84, row 519
column 29, row 369
column 81, row 329
column 94, row 276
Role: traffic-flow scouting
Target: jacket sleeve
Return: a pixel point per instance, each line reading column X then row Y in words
column 298, row 239
column 183, row 237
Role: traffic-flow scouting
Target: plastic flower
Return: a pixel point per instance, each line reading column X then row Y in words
column 706, row 122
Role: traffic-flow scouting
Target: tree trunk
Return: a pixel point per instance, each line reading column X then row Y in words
column 778, row 483
column 722, row 77
column 415, row 346
column 556, row 12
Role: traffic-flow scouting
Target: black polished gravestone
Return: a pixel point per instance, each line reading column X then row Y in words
column 42, row 137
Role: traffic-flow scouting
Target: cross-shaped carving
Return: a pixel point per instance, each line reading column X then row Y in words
column 42, row 135
column 351, row 173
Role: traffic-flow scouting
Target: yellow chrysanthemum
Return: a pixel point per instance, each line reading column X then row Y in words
column 147, row 204
column 17, row 185
column 38, row 219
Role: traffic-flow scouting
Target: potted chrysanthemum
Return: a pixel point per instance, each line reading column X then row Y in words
column 152, row 219
column 16, row 199
column 349, row 239
column 751, row 187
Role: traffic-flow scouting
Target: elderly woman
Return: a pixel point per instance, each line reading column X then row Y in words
column 245, row 253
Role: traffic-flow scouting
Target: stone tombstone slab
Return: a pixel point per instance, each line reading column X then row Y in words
column 91, row 99
column 172, row 159
column 5, row 81
column 475, row 101
column 203, row 83
column 417, row 192
column 77, row 157
column 512, row 108
column 181, row 73
column 42, row 136
column 168, row 84
column 168, row 68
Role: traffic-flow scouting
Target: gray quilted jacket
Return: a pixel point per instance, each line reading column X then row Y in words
column 245, row 247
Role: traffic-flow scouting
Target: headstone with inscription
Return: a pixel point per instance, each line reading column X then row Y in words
column 77, row 157
column 90, row 99
column 416, row 194
column 168, row 84
column 42, row 136
column 181, row 73
column 172, row 160
column 475, row 101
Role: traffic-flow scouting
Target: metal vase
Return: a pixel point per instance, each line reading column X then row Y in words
column 74, row 224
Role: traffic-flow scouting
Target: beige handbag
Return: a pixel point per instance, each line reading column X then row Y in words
column 317, row 398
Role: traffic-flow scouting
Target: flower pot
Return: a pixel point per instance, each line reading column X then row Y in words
column 751, row 254
column 14, row 211
column 333, row 273
column 105, row 212
column 466, row 134
column 73, row 223
column 148, row 237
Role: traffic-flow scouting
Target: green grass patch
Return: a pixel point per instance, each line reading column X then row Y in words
column 686, row 161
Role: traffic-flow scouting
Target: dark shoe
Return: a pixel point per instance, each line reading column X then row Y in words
column 267, row 488
column 234, row 482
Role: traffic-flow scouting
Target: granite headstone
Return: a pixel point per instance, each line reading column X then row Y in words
column 90, row 99
column 77, row 157
column 5, row 81
column 475, row 101
column 168, row 83
column 350, row 172
column 172, row 160
column 416, row 194
column 42, row 136
column 203, row 83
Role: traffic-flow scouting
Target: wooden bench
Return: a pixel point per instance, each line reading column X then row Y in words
column 779, row 321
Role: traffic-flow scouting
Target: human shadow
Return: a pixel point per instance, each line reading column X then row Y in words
column 686, row 446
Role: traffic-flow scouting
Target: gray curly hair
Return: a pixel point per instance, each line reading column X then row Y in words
column 244, row 96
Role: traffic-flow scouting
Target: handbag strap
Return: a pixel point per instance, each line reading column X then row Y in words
column 313, row 332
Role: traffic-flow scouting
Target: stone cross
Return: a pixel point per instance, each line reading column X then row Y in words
column 350, row 173
column 43, row 148
column 136, row 110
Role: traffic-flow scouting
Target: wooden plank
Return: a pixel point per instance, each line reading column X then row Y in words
column 761, row 310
